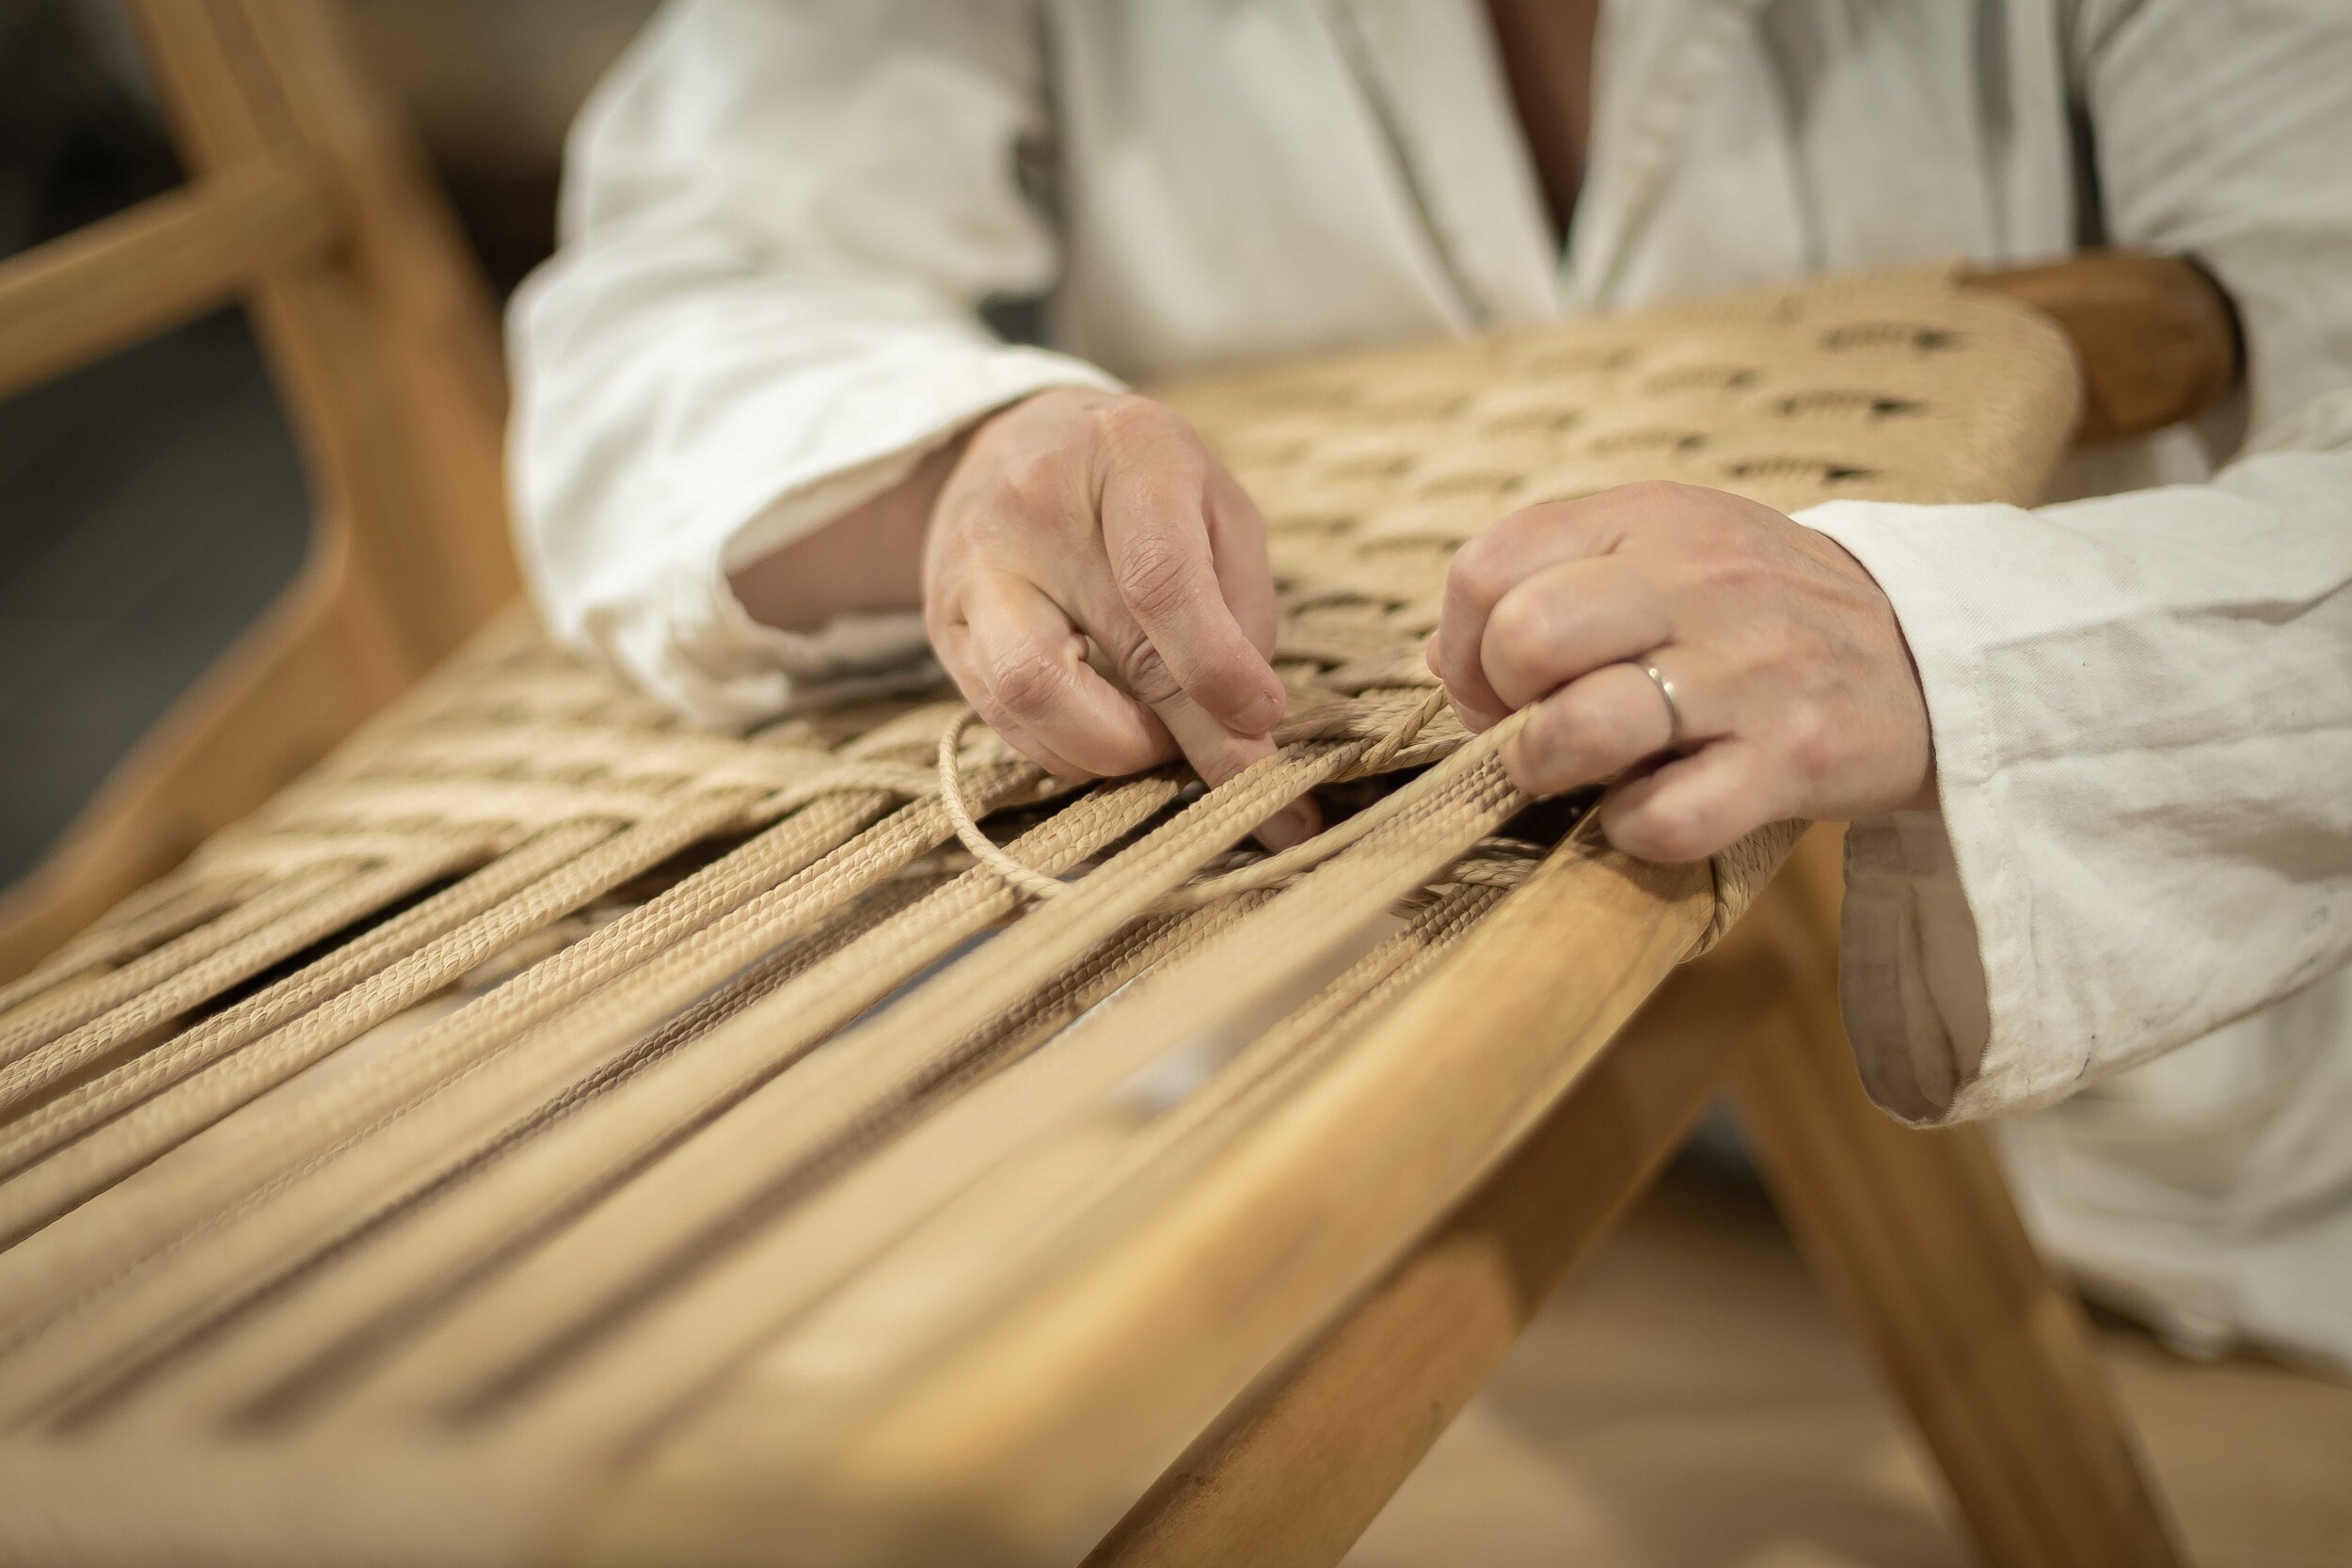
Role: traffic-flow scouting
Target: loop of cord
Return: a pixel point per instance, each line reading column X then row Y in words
column 1273, row 870
column 1037, row 884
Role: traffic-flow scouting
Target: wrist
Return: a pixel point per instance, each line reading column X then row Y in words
column 1910, row 738
column 868, row 560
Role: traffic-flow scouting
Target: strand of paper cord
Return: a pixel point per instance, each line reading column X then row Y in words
column 1266, row 873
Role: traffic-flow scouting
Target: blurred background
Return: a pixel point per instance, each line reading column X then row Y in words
column 151, row 504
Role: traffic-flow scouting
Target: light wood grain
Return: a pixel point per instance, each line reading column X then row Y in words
column 1294, row 1471
column 385, row 351
column 144, row 271
column 2156, row 337
column 1915, row 1230
column 432, row 332
column 1915, row 1233
column 1021, row 1445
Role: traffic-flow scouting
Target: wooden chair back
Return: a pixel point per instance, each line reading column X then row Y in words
column 309, row 201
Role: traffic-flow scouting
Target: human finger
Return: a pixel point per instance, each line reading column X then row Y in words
column 1022, row 664
column 1601, row 723
column 1485, row 569
column 1156, row 532
column 1215, row 753
column 1695, row 806
column 1237, row 546
column 1568, row 620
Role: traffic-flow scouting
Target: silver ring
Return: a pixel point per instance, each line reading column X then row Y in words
column 1674, row 710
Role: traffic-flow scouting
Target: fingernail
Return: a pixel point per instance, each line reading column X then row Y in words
column 1261, row 714
column 1473, row 722
column 1294, row 824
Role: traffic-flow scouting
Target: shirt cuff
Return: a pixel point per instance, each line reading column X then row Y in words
column 694, row 646
column 1911, row 985
column 1934, row 932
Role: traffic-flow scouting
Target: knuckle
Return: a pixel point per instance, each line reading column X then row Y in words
column 1668, row 514
column 1524, row 627
column 1646, row 509
column 1028, row 683
column 1520, row 528
column 1480, row 574
column 1153, row 579
column 1145, row 674
column 1769, row 657
column 1650, row 496
column 1129, row 420
column 1033, row 482
column 1810, row 742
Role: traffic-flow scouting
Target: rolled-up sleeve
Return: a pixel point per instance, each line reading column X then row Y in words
column 780, row 220
column 2141, row 703
column 2142, row 711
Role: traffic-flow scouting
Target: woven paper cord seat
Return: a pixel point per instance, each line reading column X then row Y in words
column 548, row 1131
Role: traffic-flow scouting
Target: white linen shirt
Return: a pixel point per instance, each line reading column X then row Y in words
column 782, row 220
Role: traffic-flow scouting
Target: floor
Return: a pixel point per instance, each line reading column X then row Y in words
column 1691, row 1400
column 150, row 505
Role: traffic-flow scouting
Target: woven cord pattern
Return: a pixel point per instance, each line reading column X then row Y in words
column 540, row 1076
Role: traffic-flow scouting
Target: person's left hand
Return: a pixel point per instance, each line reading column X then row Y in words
column 1796, row 692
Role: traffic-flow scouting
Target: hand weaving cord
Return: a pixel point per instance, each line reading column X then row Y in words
column 542, row 1095
column 1273, row 871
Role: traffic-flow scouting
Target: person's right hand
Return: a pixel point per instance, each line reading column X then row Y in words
column 1077, row 514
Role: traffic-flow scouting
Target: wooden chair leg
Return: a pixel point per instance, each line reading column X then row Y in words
column 1915, row 1232
column 1294, row 1472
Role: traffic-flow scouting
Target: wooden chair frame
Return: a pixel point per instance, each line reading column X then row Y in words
column 1915, row 1233
column 310, row 204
